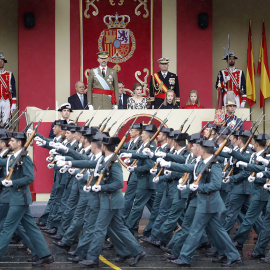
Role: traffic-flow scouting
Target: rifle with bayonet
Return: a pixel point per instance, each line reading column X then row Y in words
column 90, row 120
column 99, row 126
column 189, row 125
column 29, row 124
column 204, row 127
column 24, row 151
column 77, row 118
column 106, row 122
column 15, row 123
column 11, row 118
column 182, row 126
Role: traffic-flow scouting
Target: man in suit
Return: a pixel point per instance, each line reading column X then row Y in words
column 78, row 101
column 161, row 82
column 103, row 85
column 122, row 96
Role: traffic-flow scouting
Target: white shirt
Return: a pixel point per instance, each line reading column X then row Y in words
column 164, row 74
column 101, row 69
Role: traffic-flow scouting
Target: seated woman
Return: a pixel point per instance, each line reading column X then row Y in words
column 137, row 101
column 193, row 101
column 169, row 101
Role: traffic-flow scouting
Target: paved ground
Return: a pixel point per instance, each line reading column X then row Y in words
column 16, row 259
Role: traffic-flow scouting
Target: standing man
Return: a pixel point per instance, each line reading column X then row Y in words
column 78, row 101
column 232, row 79
column 103, row 85
column 7, row 91
column 122, row 96
column 161, row 82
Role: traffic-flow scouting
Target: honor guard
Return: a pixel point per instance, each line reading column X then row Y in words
column 161, row 82
column 231, row 118
column 103, row 85
column 232, row 79
column 8, row 99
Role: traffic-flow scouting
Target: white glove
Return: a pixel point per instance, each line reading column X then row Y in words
column 79, row 176
column 165, row 164
column 60, row 146
column 49, row 159
column 160, row 154
column 96, row 174
column 227, row 180
column 126, row 160
column 180, row 187
column 90, row 107
column 59, row 157
column 223, row 174
column 115, row 107
column 53, row 152
column 86, row 189
column 227, row 78
column 125, row 155
column 193, row 187
column 64, row 169
column 29, row 131
column 227, row 150
column 243, row 103
column 71, row 171
column 241, row 163
column 131, row 168
column 96, row 188
column 7, row 183
column 147, row 152
column 60, row 163
column 266, row 186
column 52, row 144
column 50, row 166
column 156, row 179
column 37, row 138
column 251, row 179
column 259, row 175
column 13, row 107
column 180, row 181
column 38, row 143
column 167, row 172
column 153, row 171
column 262, row 160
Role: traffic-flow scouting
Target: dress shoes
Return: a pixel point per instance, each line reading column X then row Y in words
column 212, row 254
column 232, row 263
column 108, row 247
column 169, row 256
column 205, row 245
column 45, row 228
column 51, row 231
column 145, row 239
column 75, row 259
column 266, row 259
column 56, row 237
column 180, row 263
column 33, row 259
column 238, row 245
column 138, row 258
column 121, row 259
column 61, row 245
column 255, row 256
column 220, row 259
column 72, row 253
column 41, row 224
column 43, row 261
column 24, row 247
column 89, row 263
column 165, row 249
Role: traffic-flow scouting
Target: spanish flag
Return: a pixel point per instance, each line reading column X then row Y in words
column 250, row 81
column 264, row 70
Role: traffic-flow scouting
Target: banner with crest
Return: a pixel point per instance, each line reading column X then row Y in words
column 123, row 28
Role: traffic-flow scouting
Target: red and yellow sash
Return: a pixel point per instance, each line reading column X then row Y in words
column 158, row 80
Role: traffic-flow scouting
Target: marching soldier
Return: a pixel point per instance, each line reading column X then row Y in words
column 103, row 85
column 161, row 82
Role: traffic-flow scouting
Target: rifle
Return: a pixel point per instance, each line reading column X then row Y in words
column 112, row 159
column 154, row 136
column 189, row 125
column 214, row 156
column 254, row 123
column 105, row 124
column 242, row 151
column 11, row 118
column 77, row 118
column 29, row 124
column 24, row 151
column 99, row 126
column 182, row 126
column 152, row 118
column 15, row 123
column 204, row 127
column 90, row 120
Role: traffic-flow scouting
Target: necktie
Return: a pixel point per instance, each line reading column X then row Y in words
column 164, row 75
column 82, row 101
column 103, row 72
column 120, row 102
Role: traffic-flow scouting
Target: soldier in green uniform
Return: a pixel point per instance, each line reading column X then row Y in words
column 20, row 198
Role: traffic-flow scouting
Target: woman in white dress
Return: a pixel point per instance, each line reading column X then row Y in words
column 137, row 101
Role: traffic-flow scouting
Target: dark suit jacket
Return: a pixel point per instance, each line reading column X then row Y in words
column 76, row 103
column 125, row 98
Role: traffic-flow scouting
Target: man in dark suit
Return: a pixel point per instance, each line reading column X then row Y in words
column 78, row 101
column 161, row 82
column 122, row 96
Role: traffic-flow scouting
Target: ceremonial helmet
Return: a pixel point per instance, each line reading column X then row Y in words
column 230, row 53
column 3, row 57
column 230, row 99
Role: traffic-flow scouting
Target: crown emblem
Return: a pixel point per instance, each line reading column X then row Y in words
column 116, row 21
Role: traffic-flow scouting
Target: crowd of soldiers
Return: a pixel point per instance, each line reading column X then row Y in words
column 204, row 182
